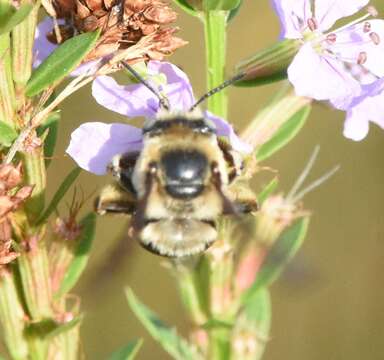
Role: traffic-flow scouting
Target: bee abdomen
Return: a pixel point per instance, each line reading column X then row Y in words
column 177, row 237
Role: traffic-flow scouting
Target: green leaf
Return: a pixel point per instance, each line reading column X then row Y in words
column 233, row 13
column 49, row 328
column 51, row 126
column 128, row 352
column 222, row 5
column 267, row 191
column 10, row 16
column 60, row 193
column 81, row 255
column 175, row 345
column 281, row 252
column 285, row 134
column 61, row 62
column 254, row 320
column 7, row 134
column 184, row 5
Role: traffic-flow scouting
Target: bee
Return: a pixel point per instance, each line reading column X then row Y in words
column 178, row 185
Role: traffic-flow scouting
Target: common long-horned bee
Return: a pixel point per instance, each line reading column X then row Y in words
column 178, row 185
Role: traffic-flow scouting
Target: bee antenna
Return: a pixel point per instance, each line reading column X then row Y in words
column 217, row 89
column 164, row 103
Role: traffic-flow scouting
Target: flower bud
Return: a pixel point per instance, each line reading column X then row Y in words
column 268, row 65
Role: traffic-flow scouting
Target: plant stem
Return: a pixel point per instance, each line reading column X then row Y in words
column 12, row 317
column 220, row 261
column 215, row 23
column 22, row 41
column 7, row 92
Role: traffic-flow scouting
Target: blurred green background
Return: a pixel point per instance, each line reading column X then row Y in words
column 329, row 304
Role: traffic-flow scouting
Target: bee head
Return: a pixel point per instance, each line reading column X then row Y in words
column 184, row 172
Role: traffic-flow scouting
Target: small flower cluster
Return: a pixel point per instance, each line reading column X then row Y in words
column 343, row 66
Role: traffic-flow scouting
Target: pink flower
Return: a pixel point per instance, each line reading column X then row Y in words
column 321, row 69
column 94, row 144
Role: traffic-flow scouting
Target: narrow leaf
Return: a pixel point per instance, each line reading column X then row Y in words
column 51, row 125
column 285, row 247
column 60, row 193
column 7, row 134
column 175, row 345
column 10, row 17
column 233, row 13
column 128, row 352
column 184, row 5
column 221, row 5
column 285, row 134
column 63, row 328
column 50, row 328
column 61, row 62
column 267, row 191
column 253, row 325
column 81, row 255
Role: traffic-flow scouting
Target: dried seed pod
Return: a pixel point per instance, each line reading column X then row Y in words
column 123, row 23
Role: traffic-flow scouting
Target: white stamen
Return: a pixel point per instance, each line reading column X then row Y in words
column 367, row 27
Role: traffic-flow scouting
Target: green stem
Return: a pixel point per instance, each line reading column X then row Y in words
column 34, row 273
column 22, row 41
column 35, row 174
column 12, row 317
column 7, row 91
column 215, row 23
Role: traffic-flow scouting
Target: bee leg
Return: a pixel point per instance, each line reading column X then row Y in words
column 113, row 199
column 228, row 206
column 122, row 167
column 245, row 206
column 139, row 219
column 233, row 160
column 243, row 199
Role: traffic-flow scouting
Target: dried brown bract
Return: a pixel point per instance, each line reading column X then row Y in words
column 11, row 198
column 123, row 23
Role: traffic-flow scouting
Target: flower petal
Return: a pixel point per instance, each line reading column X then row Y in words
column 178, row 88
column 94, row 144
column 293, row 15
column 321, row 78
column 327, row 12
column 132, row 100
column 223, row 128
column 356, row 125
column 367, row 107
column 42, row 48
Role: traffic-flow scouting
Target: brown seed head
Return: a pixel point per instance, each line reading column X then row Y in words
column 123, row 23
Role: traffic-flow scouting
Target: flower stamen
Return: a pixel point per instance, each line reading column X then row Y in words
column 375, row 38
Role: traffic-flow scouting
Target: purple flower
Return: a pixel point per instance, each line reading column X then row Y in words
column 321, row 69
column 93, row 145
column 368, row 107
